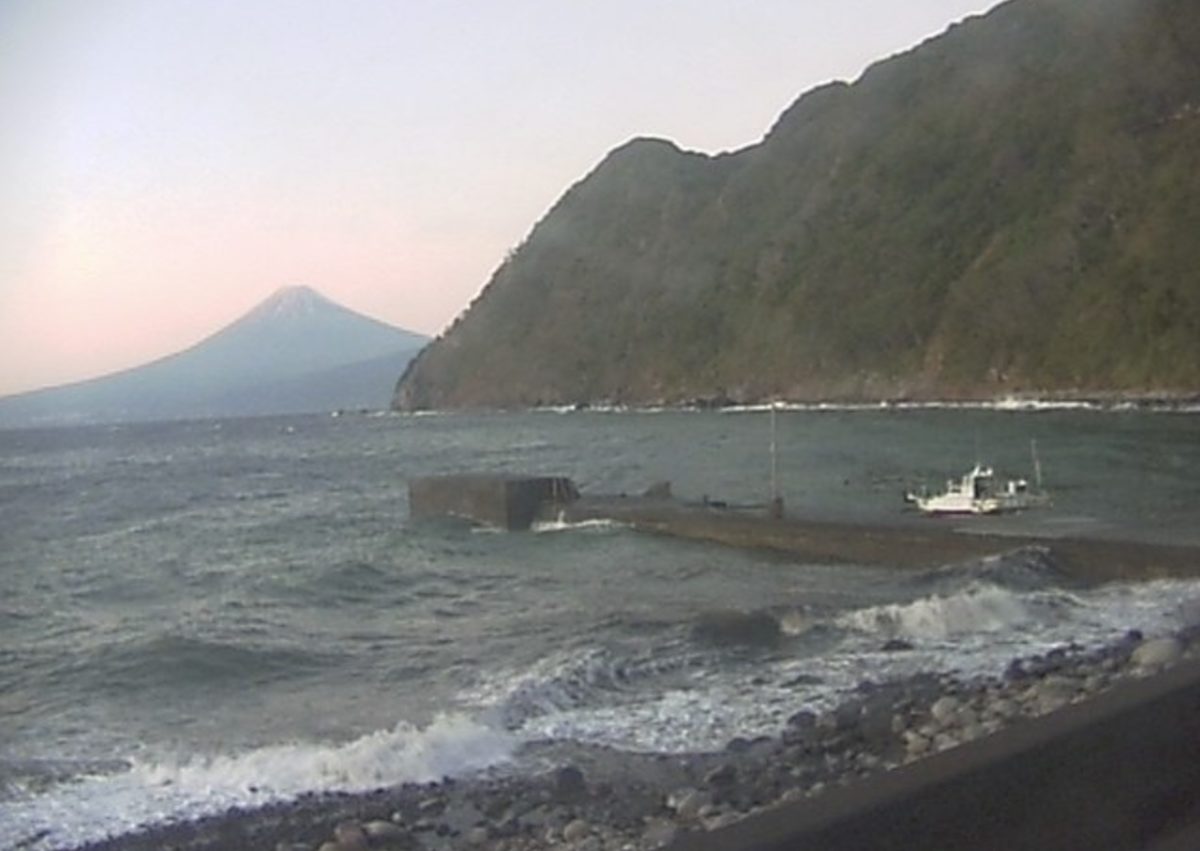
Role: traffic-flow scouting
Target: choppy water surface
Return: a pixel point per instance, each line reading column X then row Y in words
column 200, row 614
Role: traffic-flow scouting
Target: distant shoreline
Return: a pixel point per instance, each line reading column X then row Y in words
column 1116, row 403
column 1101, row 403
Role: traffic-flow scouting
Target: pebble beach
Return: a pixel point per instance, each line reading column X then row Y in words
column 599, row 799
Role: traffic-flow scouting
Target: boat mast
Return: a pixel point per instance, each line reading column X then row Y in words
column 1037, row 464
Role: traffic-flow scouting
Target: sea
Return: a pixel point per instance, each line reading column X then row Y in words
column 199, row 615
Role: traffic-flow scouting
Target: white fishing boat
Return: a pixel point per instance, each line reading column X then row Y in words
column 981, row 492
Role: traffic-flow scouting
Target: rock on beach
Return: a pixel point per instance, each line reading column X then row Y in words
column 1157, row 653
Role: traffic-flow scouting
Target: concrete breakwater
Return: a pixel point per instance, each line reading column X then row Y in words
column 506, row 502
column 907, row 546
column 514, row 502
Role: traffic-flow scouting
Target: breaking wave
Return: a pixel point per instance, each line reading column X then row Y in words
column 96, row 805
column 978, row 607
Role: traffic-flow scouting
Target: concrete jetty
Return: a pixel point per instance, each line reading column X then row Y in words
column 515, row 502
column 911, row 546
column 504, row 501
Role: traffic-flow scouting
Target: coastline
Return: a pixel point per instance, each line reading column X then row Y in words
column 594, row 798
column 1182, row 402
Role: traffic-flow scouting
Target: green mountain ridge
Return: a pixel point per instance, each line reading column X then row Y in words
column 1011, row 207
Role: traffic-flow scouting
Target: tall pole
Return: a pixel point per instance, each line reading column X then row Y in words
column 776, row 509
column 774, row 458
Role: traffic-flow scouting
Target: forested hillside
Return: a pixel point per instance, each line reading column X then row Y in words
column 1013, row 206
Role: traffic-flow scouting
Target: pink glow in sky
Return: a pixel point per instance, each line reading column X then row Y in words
column 167, row 164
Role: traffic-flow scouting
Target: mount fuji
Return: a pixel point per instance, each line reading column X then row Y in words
column 296, row 352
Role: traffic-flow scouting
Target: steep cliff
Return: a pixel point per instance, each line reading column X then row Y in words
column 1012, row 206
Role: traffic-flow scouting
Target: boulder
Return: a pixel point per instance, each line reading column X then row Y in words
column 576, row 830
column 433, row 806
column 1156, row 653
column 915, row 744
column 944, row 709
column 569, row 783
column 1002, row 709
column 805, row 719
column 477, row 835
column 350, row 835
column 1016, row 670
column 723, row 775
column 384, row 830
column 687, row 803
column 973, row 731
column 659, row 833
column 878, row 725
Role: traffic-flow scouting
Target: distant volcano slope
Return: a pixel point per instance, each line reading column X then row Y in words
column 1013, row 206
column 297, row 352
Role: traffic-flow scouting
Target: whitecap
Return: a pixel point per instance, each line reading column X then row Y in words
column 161, row 788
column 978, row 607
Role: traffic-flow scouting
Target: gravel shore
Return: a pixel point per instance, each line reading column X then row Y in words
column 597, row 799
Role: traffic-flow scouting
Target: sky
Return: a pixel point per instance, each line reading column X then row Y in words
column 165, row 165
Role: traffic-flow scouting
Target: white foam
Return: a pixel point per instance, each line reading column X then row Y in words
column 980, row 607
column 972, row 631
column 1153, row 607
column 796, row 622
column 561, row 525
column 165, row 789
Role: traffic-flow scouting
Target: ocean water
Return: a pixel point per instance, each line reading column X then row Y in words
column 196, row 615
